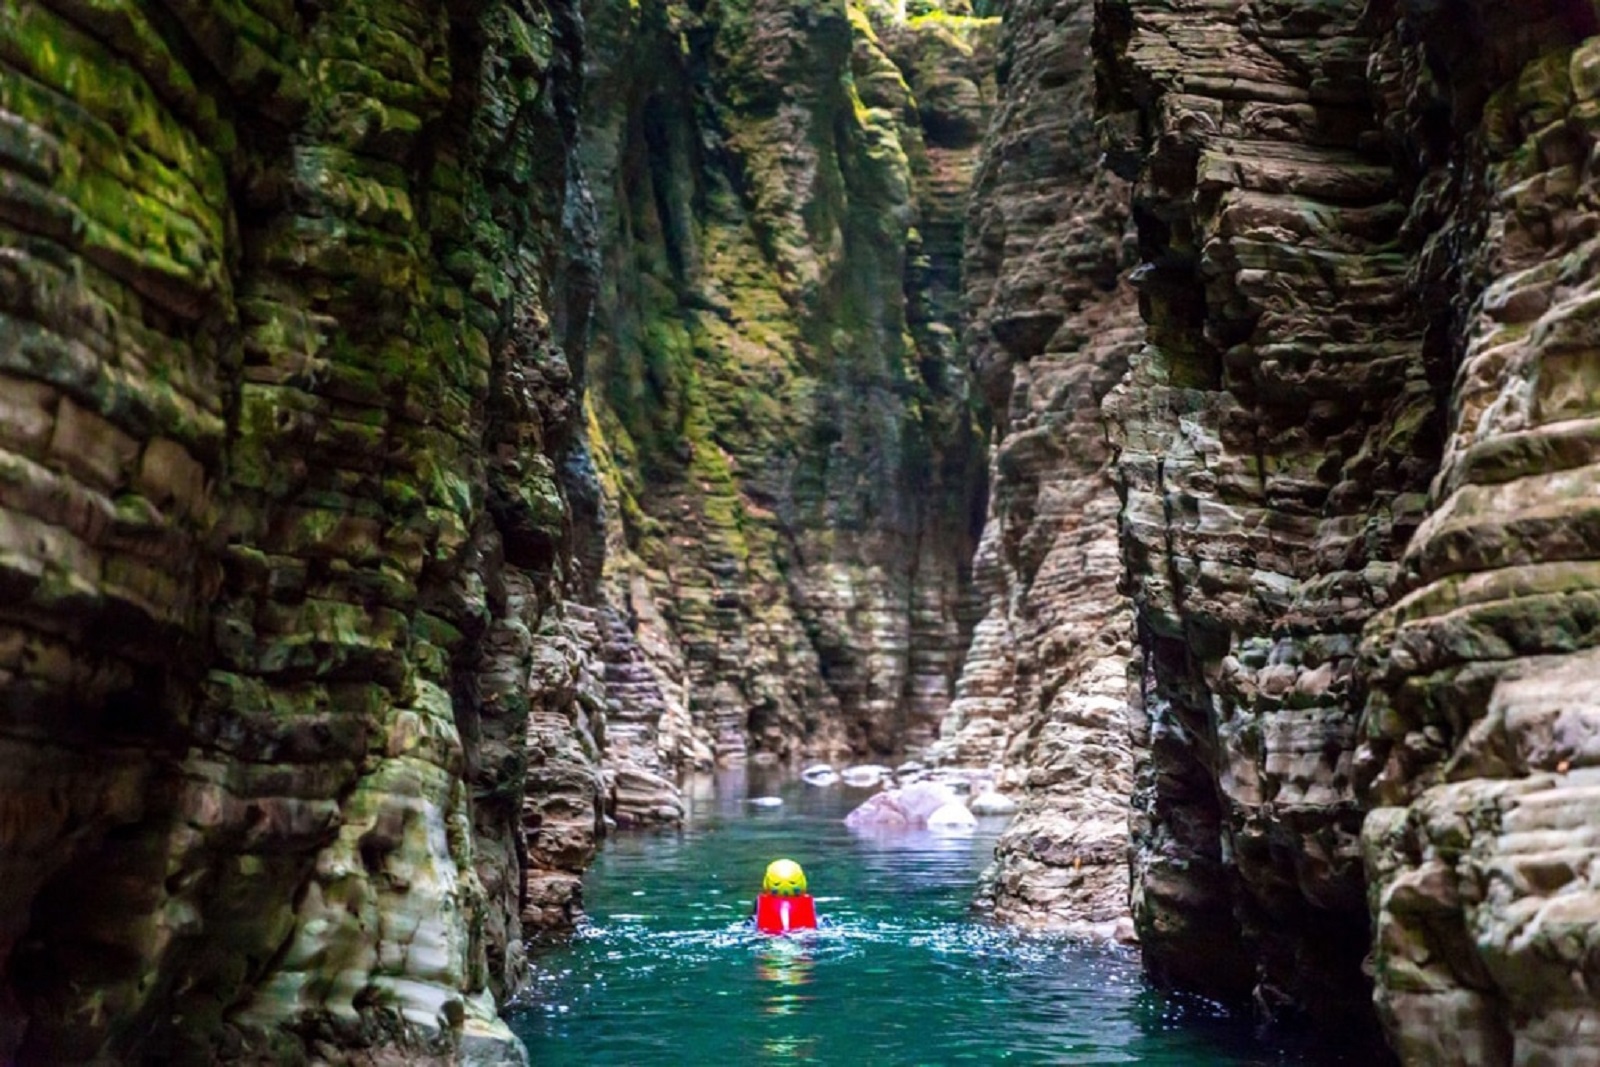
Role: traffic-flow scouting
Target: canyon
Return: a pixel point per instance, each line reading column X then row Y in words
column 430, row 430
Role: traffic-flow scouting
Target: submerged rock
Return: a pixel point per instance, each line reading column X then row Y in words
column 819, row 774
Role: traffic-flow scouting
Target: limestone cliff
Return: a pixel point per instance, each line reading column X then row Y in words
column 291, row 303
column 1052, row 324
column 1276, row 437
column 791, row 458
column 1356, row 497
column 1480, row 746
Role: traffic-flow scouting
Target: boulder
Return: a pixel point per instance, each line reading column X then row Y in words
column 952, row 818
column 922, row 799
column 864, row 776
column 913, row 807
column 992, row 803
column 877, row 812
column 819, row 774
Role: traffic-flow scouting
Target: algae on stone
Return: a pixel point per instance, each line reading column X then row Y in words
column 774, row 369
column 291, row 478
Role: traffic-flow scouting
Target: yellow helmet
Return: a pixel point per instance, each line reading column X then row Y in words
column 784, row 879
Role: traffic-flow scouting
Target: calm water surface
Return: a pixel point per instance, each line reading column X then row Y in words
column 667, row 972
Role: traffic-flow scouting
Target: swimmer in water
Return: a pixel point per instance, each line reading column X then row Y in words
column 784, row 905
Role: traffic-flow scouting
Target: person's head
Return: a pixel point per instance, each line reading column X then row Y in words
column 784, row 879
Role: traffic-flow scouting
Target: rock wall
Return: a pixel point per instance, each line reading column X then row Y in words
column 1357, row 498
column 1276, row 437
column 290, row 299
column 1480, row 742
column 1052, row 324
column 780, row 407
column 337, row 623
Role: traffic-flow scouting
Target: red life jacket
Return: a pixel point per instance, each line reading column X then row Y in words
column 779, row 915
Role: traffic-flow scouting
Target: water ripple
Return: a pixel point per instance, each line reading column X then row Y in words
column 669, row 970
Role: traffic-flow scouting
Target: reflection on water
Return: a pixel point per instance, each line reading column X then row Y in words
column 784, row 964
column 669, row 970
column 784, row 968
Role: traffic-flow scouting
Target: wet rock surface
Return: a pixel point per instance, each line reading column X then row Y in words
column 1276, row 435
column 1478, row 754
column 338, row 625
column 291, row 299
column 785, row 433
column 1043, row 693
column 1354, row 510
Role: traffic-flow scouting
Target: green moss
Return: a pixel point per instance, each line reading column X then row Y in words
column 759, row 376
column 963, row 28
column 107, row 108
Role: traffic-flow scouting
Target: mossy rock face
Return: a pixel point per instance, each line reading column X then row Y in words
column 1357, row 511
column 290, row 474
column 796, row 450
column 1479, row 673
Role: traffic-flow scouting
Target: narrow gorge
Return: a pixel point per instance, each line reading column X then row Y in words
column 434, row 435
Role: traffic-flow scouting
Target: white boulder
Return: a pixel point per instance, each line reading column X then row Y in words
column 864, row 776
column 992, row 803
column 952, row 818
column 819, row 774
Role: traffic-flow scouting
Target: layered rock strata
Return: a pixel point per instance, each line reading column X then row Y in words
column 789, row 450
column 1480, row 745
column 1361, row 414
column 289, row 297
column 1043, row 691
column 1276, row 434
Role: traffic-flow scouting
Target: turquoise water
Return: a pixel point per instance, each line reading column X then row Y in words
column 667, row 972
